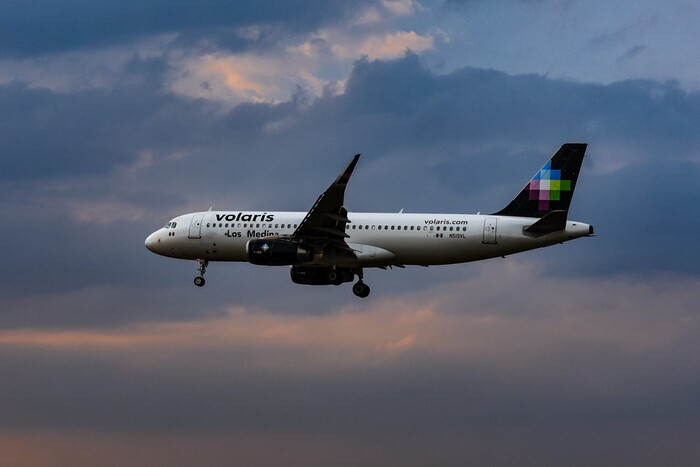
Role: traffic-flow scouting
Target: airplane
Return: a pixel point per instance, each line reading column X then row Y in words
column 329, row 245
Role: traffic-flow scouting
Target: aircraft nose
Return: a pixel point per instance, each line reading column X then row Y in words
column 152, row 242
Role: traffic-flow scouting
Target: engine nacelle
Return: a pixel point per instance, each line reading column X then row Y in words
column 309, row 275
column 277, row 252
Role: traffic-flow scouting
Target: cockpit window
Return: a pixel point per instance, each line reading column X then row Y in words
column 174, row 224
column 167, row 226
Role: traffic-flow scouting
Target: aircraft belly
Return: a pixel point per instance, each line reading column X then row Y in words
column 423, row 251
column 450, row 250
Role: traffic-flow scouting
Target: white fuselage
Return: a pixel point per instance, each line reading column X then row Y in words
column 378, row 239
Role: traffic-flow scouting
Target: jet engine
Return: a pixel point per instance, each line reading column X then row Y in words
column 309, row 275
column 278, row 252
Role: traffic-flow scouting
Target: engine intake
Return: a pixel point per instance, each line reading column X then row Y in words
column 277, row 252
column 309, row 275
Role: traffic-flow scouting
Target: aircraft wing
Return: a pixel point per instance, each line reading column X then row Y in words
column 324, row 224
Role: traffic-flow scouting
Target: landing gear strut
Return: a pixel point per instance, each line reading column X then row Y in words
column 202, row 268
column 359, row 288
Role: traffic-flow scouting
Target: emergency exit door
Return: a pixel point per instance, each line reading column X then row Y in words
column 490, row 225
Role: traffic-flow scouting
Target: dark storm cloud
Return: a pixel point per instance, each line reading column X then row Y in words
column 48, row 134
column 35, row 27
column 466, row 141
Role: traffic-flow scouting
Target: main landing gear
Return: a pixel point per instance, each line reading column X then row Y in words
column 202, row 268
column 359, row 288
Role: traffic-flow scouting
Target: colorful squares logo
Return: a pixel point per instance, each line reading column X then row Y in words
column 547, row 186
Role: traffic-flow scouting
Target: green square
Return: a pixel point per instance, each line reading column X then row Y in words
column 565, row 185
column 554, row 195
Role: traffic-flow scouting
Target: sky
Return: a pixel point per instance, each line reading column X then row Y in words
column 117, row 116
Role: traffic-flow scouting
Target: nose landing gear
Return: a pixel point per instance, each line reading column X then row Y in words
column 202, row 268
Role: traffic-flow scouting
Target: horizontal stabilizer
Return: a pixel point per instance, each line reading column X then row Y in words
column 551, row 222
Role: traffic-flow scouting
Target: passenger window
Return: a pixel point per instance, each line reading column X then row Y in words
column 207, row 224
column 379, row 227
column 373, row 227
column 411, row 227
column 392, row 227
column 431, row 228
column 359, row 227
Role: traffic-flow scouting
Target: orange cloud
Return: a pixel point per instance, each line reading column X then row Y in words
column 473, row 324
column 347, row 337
column 508, row 321
column 388, row 46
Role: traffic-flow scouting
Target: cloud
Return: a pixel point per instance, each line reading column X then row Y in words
column 35, row 28
column 401, row 7
column 470, row 138
column 234, row 79
column 464, row 358
column 274, row 75
column 387, row 47
column 633, row 52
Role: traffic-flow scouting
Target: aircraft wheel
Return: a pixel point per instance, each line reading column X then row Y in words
column 199, row 281
column 360, row 289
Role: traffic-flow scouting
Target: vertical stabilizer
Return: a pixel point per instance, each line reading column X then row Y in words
column 552, row 187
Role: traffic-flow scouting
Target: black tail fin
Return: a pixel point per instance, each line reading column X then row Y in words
column 552, row 188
